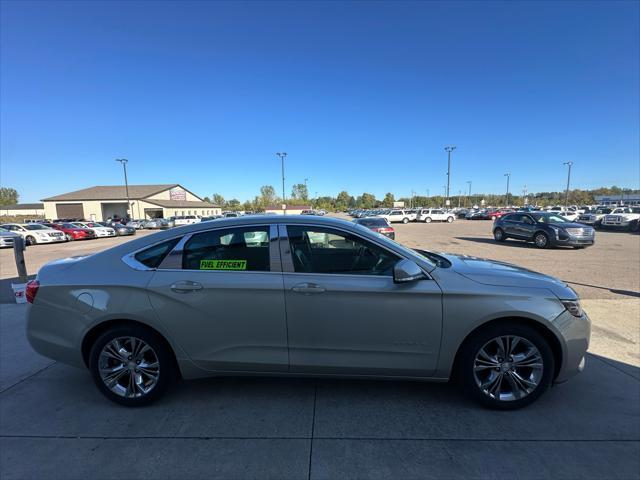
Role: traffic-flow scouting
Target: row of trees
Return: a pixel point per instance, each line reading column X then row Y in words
column 344, row 200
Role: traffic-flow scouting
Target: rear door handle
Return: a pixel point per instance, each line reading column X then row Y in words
column 308, row 288
column 186, row 287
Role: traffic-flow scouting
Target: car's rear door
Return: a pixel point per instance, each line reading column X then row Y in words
column 220, row 295
column 345, row 314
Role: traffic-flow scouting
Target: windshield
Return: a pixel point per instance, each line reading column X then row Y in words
column 35, row 226
column 551, row 219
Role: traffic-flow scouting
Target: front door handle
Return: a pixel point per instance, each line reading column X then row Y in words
column 308, row 288
column 186, row 287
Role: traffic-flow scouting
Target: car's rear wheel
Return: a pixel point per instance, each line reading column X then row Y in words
column 541, row 240
column 29, row 240
column 405, row 220
column 131, row 365
column 450, row 219
column 506, row 366
column 427, row 220
column 499, row 235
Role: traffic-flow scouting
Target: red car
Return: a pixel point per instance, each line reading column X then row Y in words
column 500, row 213
column 74, row 233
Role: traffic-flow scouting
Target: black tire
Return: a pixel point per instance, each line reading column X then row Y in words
column 634, row 226
column 167, row 366
column 427, row 220
column 470, row 349
column 541, row 240
column 449, row 219
column 498, row 235
column 68, row 237
column 29, row 240
column 405, row 220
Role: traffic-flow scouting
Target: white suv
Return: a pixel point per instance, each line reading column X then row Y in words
column 397, row 216
column 429, row 215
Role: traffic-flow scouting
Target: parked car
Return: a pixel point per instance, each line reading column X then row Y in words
column 594, row 218
column 7, row 237
column 356, row 303
column 625, row 218
column 137, row 224
column 483, row 214
column 429, row 215
column 396, row 216
column 544, row 229
column 186, row 220
column 500, row 212
column 119, row 228
column 377, row 224
column 99, row 230
column 155, row 223
column 571, row 215
column 73, row 232
column 34, row 233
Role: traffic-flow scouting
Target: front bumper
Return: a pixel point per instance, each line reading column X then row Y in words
column 574, row 335
column 49, row 239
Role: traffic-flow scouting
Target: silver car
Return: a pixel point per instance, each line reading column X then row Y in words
column 303, row 296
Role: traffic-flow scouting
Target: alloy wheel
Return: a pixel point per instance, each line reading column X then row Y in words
column 508, row 368
column 129, row 367
column 541, row 240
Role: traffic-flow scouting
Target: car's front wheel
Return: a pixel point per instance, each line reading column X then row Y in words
column 427, row 220
column 499, row 235
column 450, row 219
column 30, row 240
column 541, row 240
column 405, row 220
column 506, row 366
column 131, row 365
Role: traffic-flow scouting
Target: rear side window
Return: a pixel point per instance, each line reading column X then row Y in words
column 231, row 249
column 152, row 257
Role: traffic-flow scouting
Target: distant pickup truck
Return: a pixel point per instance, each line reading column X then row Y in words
column 625, row 218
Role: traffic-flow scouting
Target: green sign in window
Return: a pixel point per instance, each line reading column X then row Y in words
column 223, row 264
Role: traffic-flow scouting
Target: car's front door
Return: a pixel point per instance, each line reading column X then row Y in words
column 345, row 314
column 219, row 294
column 526, row 227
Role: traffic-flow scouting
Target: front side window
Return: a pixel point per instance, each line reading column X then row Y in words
column 325, row 250
column 232, row 249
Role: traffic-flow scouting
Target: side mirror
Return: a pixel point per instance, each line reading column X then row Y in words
column 407, row 271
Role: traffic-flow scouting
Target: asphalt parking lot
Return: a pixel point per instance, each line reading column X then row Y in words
column 55, row 424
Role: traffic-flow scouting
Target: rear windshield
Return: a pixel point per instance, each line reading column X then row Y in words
column 35, row 226
column 373, row 222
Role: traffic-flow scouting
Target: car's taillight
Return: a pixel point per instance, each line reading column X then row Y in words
column 385, row 230
column 32, row 290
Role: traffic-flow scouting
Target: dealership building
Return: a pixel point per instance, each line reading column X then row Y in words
column 145, row 201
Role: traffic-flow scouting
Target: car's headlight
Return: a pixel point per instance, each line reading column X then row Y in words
column 573, row 307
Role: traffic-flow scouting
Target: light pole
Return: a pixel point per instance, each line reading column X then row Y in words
column 508, row 175
column 470, row 201
column 446, row 194
column 124, row 161
column 282, row 155
column 566, row 195
column 449, row 149
column 428, row 198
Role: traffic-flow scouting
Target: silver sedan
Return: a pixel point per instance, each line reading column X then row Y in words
column 303, row 296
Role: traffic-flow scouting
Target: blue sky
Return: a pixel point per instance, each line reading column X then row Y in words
column 362, row 95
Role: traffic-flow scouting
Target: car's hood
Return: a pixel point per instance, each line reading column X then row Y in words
column 492, row 272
